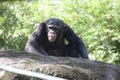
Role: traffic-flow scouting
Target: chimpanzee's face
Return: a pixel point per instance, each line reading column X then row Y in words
column 52, row 33
column 54, row 28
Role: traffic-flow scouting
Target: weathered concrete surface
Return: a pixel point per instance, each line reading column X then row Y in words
column 64, row 67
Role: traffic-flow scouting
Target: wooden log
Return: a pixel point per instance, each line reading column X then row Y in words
column 61, row 67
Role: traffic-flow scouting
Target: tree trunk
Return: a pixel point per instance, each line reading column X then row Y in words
column 61, row 67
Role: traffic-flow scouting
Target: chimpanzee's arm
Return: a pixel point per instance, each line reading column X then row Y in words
column 33, row 44
column 82, row 50
column 74, row 39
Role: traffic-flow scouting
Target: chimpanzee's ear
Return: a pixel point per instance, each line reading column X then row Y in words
column 42, row 24
column 65, row 26
column 41, row 27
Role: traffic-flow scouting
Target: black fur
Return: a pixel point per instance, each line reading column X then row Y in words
column 38, row 42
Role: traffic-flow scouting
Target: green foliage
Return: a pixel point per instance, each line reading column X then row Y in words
column 97, row 22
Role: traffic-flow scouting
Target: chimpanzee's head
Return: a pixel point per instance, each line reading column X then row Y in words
column 54, row 28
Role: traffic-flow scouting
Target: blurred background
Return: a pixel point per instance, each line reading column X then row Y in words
column 97, row 22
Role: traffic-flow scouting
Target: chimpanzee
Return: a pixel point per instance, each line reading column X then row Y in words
column 49, row 39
